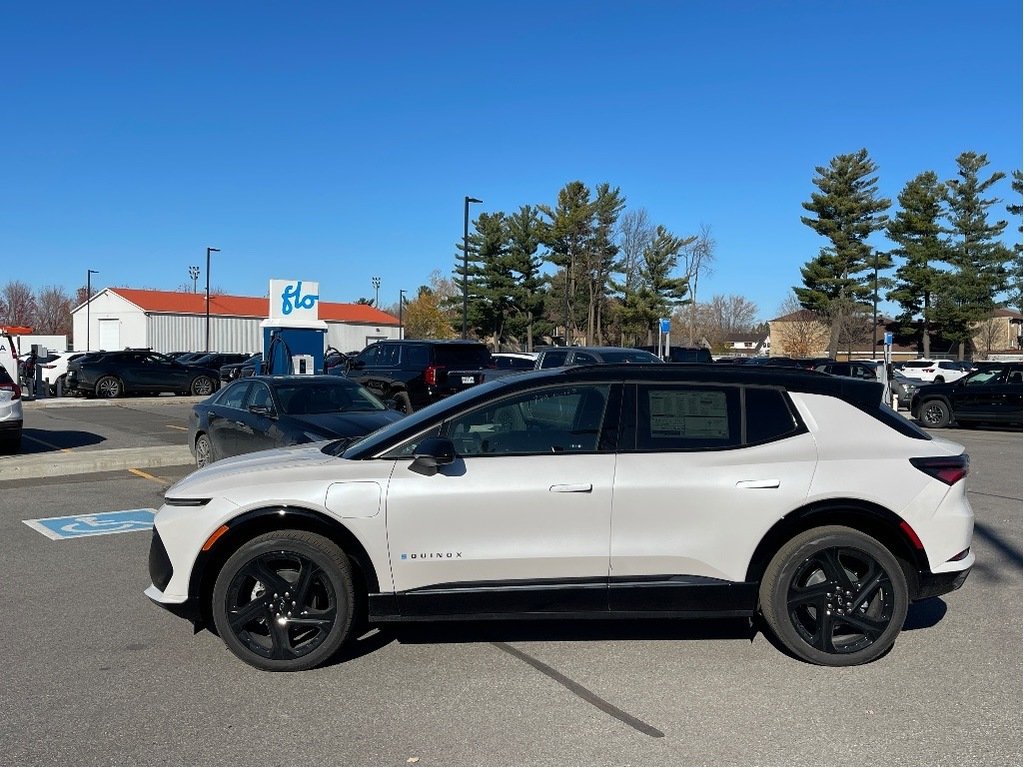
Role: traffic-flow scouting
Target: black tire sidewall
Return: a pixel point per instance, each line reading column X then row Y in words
column 192, row 388
column 328, row 556
column 943, row 408
column 117, row 381
column 783, row 567
column 404, row 400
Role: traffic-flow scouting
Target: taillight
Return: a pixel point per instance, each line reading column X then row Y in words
column 13, row 388
column 948, row 469
column 430, row 375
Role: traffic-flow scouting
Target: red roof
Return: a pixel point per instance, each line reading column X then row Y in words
column 244, row 306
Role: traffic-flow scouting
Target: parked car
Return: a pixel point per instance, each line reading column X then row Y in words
column 216, row 360
column 937, row 371
column 516, row 361
column 681, row 354
column 137, row 371
column 11, row 413
column 260, row 412
column 856, row 369
column 614, row 491
column 233, row 371
column 414, row 373
column 989, row 395
column 904, row 388
column 187, row 357
column 55, row 371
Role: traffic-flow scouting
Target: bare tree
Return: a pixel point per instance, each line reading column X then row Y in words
column 697, row 260
column 17, row 304
column 723, row 316
column 798, row 332
column 53, row 311
column 635, row 233
column 989, row 336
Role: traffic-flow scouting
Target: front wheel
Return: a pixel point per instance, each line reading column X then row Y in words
column 834, row 596
column 204, row 451
column 284, row 601
column 934, row 413
column 202, row 385
column 109, row 386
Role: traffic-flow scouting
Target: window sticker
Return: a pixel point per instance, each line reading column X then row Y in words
column 676, row 413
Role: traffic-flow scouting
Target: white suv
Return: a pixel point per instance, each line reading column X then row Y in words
column 937, row 371
column 11, row 413
column 608, row 491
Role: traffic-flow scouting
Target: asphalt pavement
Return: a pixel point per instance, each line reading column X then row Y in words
column 95, row 674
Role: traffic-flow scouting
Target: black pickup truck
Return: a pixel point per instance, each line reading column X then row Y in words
column 414, row 373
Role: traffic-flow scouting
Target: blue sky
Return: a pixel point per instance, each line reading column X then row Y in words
column 335, row 141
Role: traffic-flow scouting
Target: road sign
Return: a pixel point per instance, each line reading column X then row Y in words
column 888, row 339
column 666, row 325
column 100, row 524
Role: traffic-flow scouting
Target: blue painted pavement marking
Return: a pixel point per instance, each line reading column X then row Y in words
column 100, row 524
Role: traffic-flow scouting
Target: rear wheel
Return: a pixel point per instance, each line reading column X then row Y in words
column 404, row 403
column 202, row 385
column 934, row 413
column 109, row 386
column 284, row 601
column 835, row 596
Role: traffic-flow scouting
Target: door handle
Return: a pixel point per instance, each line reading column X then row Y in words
column 571, row 488
column 758, row 484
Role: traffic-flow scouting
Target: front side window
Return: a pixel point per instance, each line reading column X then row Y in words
column 390, row 354
column 547, row 421
column 260, row 396
column 369, row 355
column 234, row 396
column 554, row 359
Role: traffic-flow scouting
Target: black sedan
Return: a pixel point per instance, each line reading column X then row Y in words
column 989, row 395
column 261, row 412
column 137, row 371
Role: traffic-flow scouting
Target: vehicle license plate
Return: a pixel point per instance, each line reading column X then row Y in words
column 468, row 379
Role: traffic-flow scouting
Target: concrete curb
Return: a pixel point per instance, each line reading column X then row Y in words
column 83, row 402
column 88, row 462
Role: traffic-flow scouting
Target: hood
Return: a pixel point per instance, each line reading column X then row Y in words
column 347, row 423
column 211, row 480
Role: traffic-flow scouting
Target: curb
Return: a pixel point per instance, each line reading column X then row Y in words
column 82, row 402
column 88, row 462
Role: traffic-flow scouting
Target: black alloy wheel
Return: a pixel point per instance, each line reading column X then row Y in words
column 283, row 601
column 204, row 451
column 835, row 596
column 934, row 413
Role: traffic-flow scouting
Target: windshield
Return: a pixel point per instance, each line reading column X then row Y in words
column 309, row 397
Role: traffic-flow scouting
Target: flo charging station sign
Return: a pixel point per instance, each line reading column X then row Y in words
column 294, row 300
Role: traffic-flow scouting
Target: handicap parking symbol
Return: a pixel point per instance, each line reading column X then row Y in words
column 100, row 524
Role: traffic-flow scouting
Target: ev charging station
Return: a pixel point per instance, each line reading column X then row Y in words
column 294, row 336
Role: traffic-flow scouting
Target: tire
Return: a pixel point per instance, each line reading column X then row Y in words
column 204, row 451
column 202, row 385
column 11, row 444
column 404, row 403
column 834, row 596
column 939, row 380
column 933, row 413
column 109, row 386
column 253, row 601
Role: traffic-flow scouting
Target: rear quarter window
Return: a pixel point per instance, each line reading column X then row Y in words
column 768, row 416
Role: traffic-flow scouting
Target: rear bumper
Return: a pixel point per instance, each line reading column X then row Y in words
column 11, row 425
column 934, row 584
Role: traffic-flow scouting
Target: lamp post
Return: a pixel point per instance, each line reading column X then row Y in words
column 208, row 252
column 193, row 272
column 88, row 305
column 874, row 314
column 401, row 303
column 465, row 265
column 375, row 282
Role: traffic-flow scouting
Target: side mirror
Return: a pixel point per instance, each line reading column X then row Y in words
column 263, row 410
column 432, row 453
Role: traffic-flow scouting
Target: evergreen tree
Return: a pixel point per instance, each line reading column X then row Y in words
column 917, row 231
column 492, row 281
column 658, row 290
column 567, row 233
column 523, row 241
column 847, row 210
column 1016, row 289
column 599, row 259
column 969, row 292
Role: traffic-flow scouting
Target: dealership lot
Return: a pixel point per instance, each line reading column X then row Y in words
column 95, row 674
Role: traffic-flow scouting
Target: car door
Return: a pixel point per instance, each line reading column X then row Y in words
column 261, row 420
column 225, row 420
column 519, row 522
column 364, row 366
column 703, row 472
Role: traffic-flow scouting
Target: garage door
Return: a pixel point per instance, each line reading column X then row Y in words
column 110, row 334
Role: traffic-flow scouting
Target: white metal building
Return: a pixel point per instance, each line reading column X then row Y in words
column 169, row 321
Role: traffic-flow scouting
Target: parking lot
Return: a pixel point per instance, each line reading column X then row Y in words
column 95, row 674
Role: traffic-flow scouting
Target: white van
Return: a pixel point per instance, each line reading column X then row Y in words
column 9, row 354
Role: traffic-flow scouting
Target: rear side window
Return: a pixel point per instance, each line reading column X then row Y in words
column 416, row 356
column 687, row 418
column 554, row 359
column 462, row 355
column 389, row 355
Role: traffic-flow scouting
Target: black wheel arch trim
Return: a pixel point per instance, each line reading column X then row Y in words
column 255, row 522
column 869, row 518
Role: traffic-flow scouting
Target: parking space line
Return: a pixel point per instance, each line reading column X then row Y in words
column 43, row 442
column 175, row 426
column 588, row 696
column 146, row 476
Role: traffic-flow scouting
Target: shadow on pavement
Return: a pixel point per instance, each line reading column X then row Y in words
column 925, row 614
column 1008, row 552
column 46, row 441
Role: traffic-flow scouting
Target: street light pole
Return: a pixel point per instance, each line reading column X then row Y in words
column 88, row 305
column 193, row 272
column 375, row 281
column 401, row 302
column 208, row 252
column 874, row 314
column 465, row 265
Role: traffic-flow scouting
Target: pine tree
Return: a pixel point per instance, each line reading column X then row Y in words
column 658, row 292
column 566, row 233
column 969, row 292
column 492, row 281
column 599, row 260
column 917, row 231
column 523, row 230
column 1016, row 289
column 847, row 210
